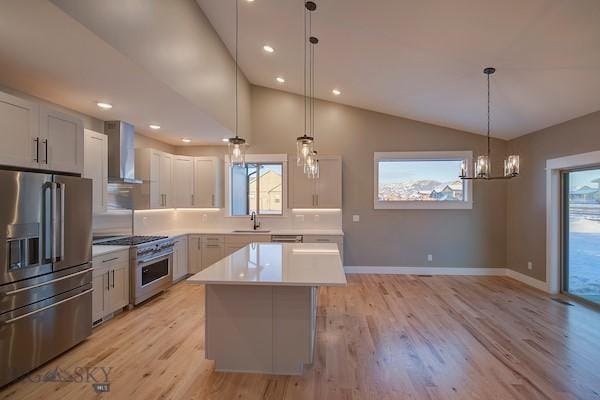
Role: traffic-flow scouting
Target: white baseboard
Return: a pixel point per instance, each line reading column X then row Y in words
column 541, row 285
column 536, row 283
column 425, row 271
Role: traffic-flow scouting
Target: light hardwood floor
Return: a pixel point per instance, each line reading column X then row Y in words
column 382, row 337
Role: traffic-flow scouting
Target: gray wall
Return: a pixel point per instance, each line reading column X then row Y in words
column 456, row 238
column 526, row 225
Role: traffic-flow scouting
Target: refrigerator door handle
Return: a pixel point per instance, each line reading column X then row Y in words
column 53, row 221
column 62, row 188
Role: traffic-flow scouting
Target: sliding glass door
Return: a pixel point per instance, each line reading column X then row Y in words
column 581, row 234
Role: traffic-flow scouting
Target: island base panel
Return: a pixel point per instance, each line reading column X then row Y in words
column 260, row 329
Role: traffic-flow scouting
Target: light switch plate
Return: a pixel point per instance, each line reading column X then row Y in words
column 530, row 265
column 429, row 257
column 316, row 218
column 356, row 218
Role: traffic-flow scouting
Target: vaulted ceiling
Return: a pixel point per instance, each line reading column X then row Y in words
column 424, row 59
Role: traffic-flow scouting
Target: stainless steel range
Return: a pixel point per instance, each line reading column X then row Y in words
column 151, row 264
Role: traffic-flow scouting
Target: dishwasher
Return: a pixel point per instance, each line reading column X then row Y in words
column 287, row 238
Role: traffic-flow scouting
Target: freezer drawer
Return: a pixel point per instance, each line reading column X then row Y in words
column 34, row 335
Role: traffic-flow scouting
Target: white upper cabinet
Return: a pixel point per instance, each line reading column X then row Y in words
column 324, row 192
column 36, row 136
column 208, row 182
column 19, row 132
column 155, row 168
column 62, row 139
column 95, row 167
column 183, row 181
column 165, row 182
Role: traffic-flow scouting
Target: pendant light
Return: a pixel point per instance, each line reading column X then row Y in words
column 304, row 143
column 482, row 166
column 236, row 146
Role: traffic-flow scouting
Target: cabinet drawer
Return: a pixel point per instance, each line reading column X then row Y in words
column 117, row 257
column 322, row 239
column 243, row 240
column 214, row 239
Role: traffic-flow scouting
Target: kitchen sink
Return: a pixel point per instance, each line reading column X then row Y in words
column 250, row 231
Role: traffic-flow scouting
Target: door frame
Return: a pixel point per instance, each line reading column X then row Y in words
column 554, row 215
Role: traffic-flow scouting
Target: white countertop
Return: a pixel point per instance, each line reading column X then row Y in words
column 101, row 250
column 277, row 264
column 230, row 231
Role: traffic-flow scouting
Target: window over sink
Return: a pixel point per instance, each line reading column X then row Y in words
column 258, row 186
column 421, row 180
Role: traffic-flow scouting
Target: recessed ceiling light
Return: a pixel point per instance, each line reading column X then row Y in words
column 336, row 92
column 186, row 140
column 268, row 48
column 226, row 140
column 280, row 79
column 155, row 127
column 104, row 106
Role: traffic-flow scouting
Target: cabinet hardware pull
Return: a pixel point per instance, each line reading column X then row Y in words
column 45, row 141
column 107, row 280
column 37, row 150
column 113, row 284
column 212, row 199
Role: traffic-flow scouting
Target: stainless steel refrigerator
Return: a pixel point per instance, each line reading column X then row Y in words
column 45, row 268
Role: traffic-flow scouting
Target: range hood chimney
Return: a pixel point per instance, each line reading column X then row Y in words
column 121, row 152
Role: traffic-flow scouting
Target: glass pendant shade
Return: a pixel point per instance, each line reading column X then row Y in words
column 482, row 167
column 304, row 147
column 237, row 151
column 311, row 166
column 511, row 166
column 464, row 169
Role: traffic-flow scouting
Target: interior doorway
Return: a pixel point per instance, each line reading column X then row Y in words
column 580, row 272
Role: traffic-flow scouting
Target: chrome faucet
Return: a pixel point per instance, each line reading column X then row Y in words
column 255, row 223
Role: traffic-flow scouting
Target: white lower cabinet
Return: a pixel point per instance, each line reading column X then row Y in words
column 180, row 258
column 110, row 281
column 195, row 253
column 212, row 248
column 337, row 239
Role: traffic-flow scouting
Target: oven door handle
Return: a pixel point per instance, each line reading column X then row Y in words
column 47, row 283
column 10, row 321
column 143, row 263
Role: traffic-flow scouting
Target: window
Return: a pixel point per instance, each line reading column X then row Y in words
column 257, row 187
column 409, row 180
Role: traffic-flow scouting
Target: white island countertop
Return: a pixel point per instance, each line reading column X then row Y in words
column 277, row 264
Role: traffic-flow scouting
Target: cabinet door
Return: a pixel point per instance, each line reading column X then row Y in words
column 156, row 196
column 119, row 286
column 207, row 182
column 194, row 254
column 165, row 178
column 180, row 259
column 302, row 189
column 329, row 184
column 100, row 294
column 183, row 181
column 62, row 141
column 211, row 253
column 95, row 166
column 19, row 131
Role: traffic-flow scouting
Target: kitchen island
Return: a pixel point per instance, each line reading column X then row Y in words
column 261, row 305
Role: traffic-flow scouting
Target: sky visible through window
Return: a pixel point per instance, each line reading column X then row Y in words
column 402, row 171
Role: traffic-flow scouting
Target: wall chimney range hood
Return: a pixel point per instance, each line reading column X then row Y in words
column 121, row 152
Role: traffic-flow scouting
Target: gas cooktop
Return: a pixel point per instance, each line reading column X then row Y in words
column 130, row 240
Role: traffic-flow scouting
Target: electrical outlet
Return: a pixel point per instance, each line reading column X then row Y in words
column 316, row 218
column 300, row 218
column 356, row 218
column 429, row 257
column 204, row 217
column 530, row 265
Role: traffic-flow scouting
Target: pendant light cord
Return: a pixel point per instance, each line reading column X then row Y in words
column 236, row 67
column 488, row 117
column 305, row 72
